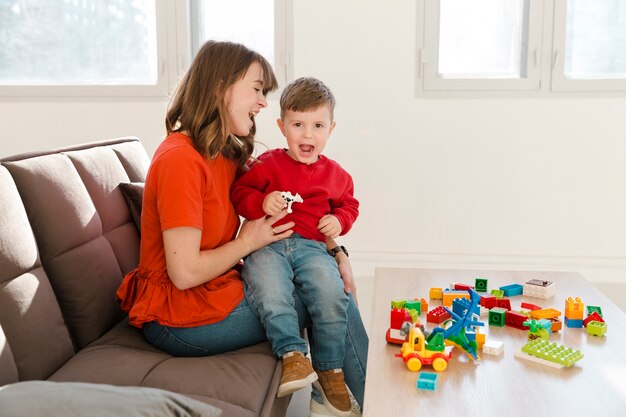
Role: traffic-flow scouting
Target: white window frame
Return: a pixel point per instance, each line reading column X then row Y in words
column 545, row 72
column 559, row 81
column 283, row 37
column 172, row 59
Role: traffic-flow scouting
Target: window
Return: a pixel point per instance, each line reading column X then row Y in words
column 591, row 52
column 522, row 45
column 263, row 27
column 82, row 47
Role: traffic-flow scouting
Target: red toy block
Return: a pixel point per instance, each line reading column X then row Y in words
column 529, row 306
column 503, row 303
column 592, row 317
column 399, row 316
column 488, row 301
column 437, row 315
column 515, row 319
column 462, row 287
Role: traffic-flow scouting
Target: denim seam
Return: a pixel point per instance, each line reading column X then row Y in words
column 204, row 352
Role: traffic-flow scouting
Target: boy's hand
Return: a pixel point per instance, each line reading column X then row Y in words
column 273, row 203
column 329, row 226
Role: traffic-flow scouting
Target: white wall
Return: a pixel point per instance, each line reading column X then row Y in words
column 527, row 183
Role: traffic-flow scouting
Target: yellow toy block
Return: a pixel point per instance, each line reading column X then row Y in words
column 574, row 308
column 546, row 313
column 435, row 293
column 449, row 296
column 480, row 338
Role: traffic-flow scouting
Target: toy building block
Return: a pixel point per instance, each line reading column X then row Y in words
column 591, row 309
column 493, row 347
column 596, row 328
column 504, row 303
column 484, row 311
column 480, row 337
column 546, row 313
column 573, row 323
column 550, row 354
column 530, row 306
column 461, row 305
column 397, row 304
column 413, row 305
column 435, row 293
column 427, row 381
column 539, row 289
column 398, row 317
column 424, row 305
column 449, row 296
column 462, row 287
column 497, row 317
column 557, row 325
column 497, row 293
column 481, row 285
column 437, row 315
column 592, row 317
column 488, row 301
column 574, row 308
column 512, row 290
column 515, row 319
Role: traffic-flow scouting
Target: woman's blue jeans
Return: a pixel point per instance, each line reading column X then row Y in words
column 242, row 328
column 271, row 276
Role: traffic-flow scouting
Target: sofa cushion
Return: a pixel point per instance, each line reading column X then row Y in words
column 86, row 236
column 133, row 193
column 123, row 357
column 29, row 312
column 8, row 369
column 52, row 399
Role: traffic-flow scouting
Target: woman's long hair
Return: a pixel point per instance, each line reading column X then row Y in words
column 198, row 106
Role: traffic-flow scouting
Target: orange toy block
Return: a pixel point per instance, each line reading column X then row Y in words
column 574, row 308
column 546, row 313
column 449, row 296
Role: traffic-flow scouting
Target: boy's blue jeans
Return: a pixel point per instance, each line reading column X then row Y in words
column 271, row 276
column 242, row 328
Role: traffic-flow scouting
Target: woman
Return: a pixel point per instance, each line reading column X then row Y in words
column 187, row 294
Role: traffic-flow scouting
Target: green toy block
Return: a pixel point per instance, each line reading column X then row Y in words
column 551, row 352
column 497, row 316
column 480, row 285
column 413, row 305
column 497, row 293
column 591, row 309
column 414, row 315
column 596, row 328
column 397, row 304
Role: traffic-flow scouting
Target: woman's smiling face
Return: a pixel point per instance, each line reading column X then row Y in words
column 244, row 100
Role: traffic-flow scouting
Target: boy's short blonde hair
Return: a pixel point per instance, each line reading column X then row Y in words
column 304, row 94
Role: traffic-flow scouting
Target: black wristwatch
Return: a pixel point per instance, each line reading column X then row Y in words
column 334, row 251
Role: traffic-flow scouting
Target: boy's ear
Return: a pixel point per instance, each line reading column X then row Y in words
column 332, row 126
column 281, row 125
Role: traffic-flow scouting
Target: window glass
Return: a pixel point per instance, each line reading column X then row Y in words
column 483, row 39
column 595, row 40
column 78, row 42
column 250, row 22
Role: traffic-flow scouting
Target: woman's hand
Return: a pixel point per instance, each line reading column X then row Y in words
column 255, row 234
column 345, row 270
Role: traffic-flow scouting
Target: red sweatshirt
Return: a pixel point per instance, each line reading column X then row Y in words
column 325, row 187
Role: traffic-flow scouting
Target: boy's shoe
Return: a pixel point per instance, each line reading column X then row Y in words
column 297, row 374
column 320, row 410
column 332, row 387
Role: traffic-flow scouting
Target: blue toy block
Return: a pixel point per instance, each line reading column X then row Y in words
column 572, row 323
column 427, row 381
column 512, row 289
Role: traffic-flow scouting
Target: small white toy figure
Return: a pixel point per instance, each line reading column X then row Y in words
column 290, row 199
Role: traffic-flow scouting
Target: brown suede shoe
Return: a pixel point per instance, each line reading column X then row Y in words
column 297, row 374
column 334, row 392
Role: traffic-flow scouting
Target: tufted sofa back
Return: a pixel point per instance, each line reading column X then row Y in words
column 66, row 240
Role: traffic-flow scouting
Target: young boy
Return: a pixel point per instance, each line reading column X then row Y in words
column 327, row 210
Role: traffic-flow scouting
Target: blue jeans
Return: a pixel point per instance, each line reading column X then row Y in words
column 271, row 276
column 242, row 328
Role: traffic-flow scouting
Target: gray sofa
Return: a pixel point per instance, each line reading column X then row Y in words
column 66, row 240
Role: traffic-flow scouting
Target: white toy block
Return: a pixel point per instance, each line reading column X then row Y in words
column 539, row 289
column 493, row 347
